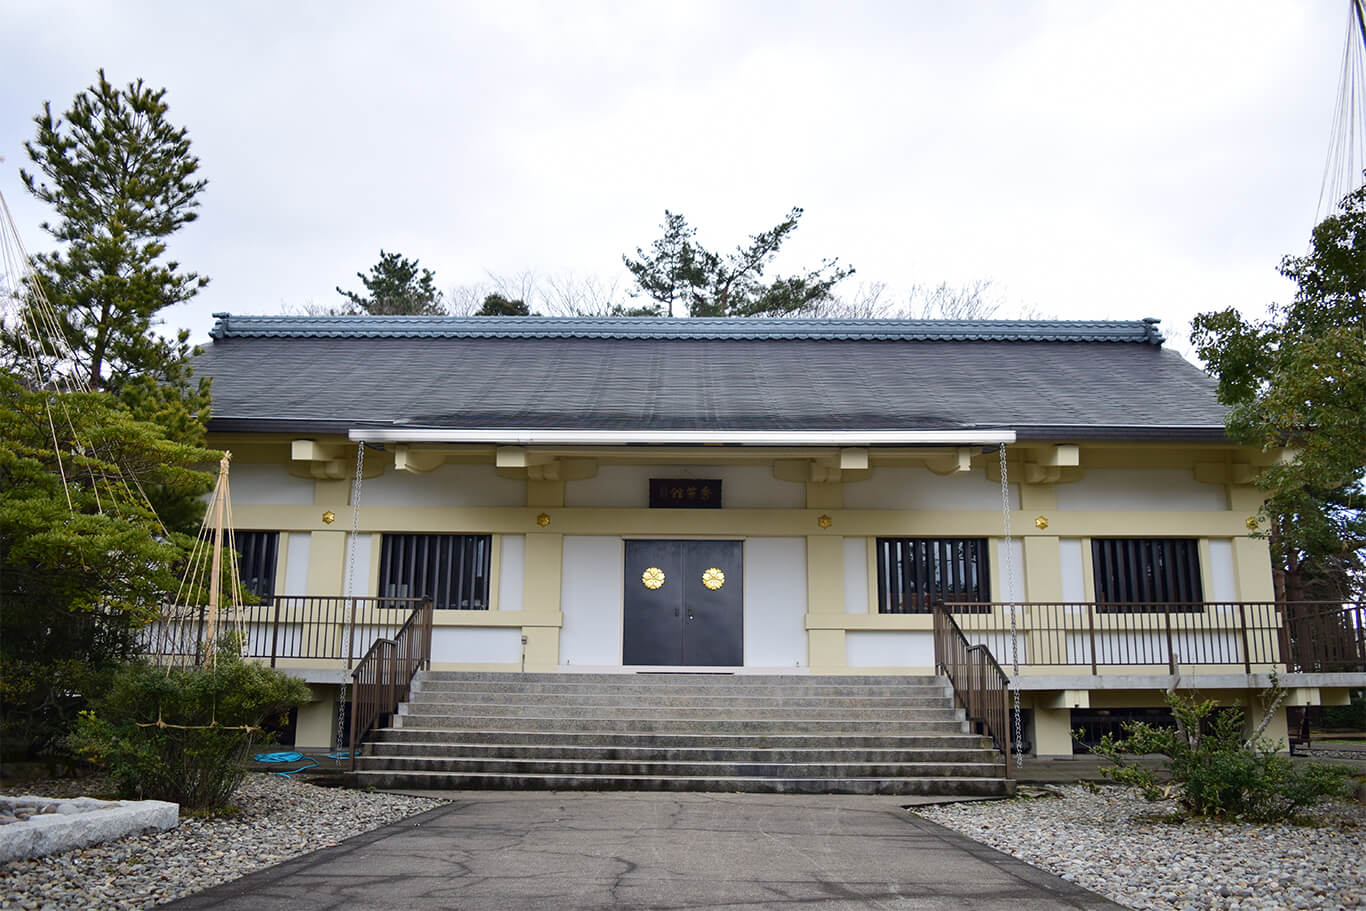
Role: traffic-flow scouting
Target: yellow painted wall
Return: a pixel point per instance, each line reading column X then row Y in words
column 315, row 727
column 826, row 621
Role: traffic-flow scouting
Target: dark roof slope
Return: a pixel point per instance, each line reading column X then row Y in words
column 1045, row 380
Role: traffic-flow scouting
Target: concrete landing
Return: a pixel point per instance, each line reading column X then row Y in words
column 640, row 850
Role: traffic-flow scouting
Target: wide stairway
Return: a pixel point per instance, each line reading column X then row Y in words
column 682, row 732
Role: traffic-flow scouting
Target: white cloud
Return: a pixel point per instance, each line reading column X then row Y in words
column 1117, row 160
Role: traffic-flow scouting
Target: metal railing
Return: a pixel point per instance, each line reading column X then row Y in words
column 287, row 628
column 383, row 677
column 1309, row 636
column 981, row 688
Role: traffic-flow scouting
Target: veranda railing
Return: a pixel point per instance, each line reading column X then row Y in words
column 288, row 628
column 1300, row 636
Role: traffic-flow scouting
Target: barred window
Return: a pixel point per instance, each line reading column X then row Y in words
column 256, row 553
column 913, row 574
column 1133, row 573
column 452, row 570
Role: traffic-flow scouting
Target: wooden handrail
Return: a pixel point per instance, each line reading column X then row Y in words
column 980, row 687
column 383, row 678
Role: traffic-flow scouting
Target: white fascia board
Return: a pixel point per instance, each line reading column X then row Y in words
column 688, row 437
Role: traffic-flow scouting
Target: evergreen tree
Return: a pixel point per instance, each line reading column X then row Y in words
column 100, row 422
column 84, row 560
column 396, row 286
column 121, row 179
column 497, row 305
column 1298, row 380
column 678, row 271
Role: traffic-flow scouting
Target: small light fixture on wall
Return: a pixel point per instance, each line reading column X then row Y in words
column 543, row 519
column 329, row 517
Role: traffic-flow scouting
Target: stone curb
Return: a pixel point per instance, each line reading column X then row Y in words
column 84, row 822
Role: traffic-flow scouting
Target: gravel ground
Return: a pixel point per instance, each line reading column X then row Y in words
column 1117, row 844
column 279, row 818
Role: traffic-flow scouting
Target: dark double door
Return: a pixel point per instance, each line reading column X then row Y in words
column 684, row 604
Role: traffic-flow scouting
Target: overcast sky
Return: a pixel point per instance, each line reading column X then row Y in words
column 1092, row 159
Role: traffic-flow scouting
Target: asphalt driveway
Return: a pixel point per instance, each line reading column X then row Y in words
column 563, row 850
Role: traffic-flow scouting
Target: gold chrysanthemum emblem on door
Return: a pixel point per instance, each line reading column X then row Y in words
column 713, row 578
column 652, row 578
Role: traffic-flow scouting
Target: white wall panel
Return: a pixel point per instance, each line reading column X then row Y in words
column 1069, row 559
column 1147, row 489
column 1223, row 580
column 628, row 487
column 268, row 485
column 591, row 592
column 889, row 649
column 361, row 584
column 298, row 544
column 1001, row 581
column 775, row 602
column 477, row 644
column 449, row 485
column 856, row 576
column 511, row 566
column 915, row 487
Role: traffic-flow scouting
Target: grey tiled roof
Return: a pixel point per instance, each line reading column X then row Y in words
column 1048, row 381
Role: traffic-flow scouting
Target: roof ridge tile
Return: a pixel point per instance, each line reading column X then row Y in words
column 253, row 326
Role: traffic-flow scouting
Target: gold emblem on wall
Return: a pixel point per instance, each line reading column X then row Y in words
column 824, row 522
column 713, row 578
column 1041, row 523
column 329, row 517
column 652, row 578
column 1251, row 523
column 543, row 520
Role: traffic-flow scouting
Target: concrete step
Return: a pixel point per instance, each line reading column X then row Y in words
column 666, row 740
column 410, row 780
column 680, row 679
column 422, row 709
column 923, row 697
column 790, row 733
column 630, row 688
column 665, row 768
column 706, row 753
column 751, row 726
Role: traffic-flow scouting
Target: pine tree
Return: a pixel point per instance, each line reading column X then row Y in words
column 677, row 270
column 121, row 179
column 498, row 305
column 100, row 421
column 396, row 286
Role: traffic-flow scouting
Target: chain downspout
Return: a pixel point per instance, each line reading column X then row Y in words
column 1010, row 600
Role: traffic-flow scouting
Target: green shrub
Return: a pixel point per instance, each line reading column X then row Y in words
column 183, row 735
column 1213, row 771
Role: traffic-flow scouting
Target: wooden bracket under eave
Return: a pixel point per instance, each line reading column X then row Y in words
column 959, row 460
column 824, row 470
column 420, row 461
column 320, row 461
column 518, row 462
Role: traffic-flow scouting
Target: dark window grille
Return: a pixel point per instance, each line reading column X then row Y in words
column 452, row 570
column 1133, row 574
column 913, row 574
column 256, row 553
